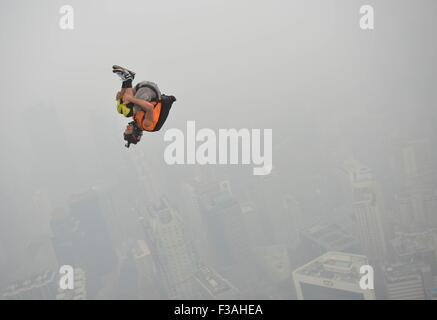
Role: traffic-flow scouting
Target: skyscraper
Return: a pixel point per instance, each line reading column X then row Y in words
column 148, row 287
column 280, row 212
column 175, row 256
column 274, row 263
column 418, row 199
column 367, row 204
column 79, row 291
column 419, row 245
column 213, row 286
column 332, row 276
column 195, row 220
column 294, row 212
column 226, row 230
column 324, row 237
column 255, row 222
column 81, row 239
column 416, row 253
column 43, row 286
column 405, row 281
column 150, row 184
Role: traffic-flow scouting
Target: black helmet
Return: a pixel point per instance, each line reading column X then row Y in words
column 133, row 137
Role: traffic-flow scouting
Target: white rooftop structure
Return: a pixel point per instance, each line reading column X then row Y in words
column 334, row 275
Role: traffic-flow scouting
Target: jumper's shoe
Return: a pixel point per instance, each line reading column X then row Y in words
column 123, row 73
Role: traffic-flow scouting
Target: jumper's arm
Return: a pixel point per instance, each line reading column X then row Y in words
column 143, row 104
column 146, row 106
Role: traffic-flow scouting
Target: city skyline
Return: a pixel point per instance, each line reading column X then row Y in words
column 354, row 175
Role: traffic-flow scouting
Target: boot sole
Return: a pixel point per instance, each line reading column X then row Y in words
column 115, row 67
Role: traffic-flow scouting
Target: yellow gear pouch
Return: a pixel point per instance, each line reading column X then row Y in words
column 124, row 109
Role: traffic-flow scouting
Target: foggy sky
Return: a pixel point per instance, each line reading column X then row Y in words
column 304, row 68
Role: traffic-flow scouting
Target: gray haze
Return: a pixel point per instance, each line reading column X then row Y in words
column 330, row 91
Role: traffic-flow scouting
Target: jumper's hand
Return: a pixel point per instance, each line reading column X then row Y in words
column 118, row 96
column 127, row 97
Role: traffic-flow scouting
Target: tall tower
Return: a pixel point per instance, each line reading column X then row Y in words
column 194, row 219
column 405, row 281
column 81, row 239
column 279, row 211
column 147, row 272
column 175, row 255
column 418, row 201
column 147, row 175
column 224, row 220
column 42, row 286
column 367, row 210
column 227, row 233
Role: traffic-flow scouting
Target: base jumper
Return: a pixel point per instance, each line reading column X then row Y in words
column 144, row 103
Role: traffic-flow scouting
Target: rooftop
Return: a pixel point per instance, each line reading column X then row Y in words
column 141, row 249
column 335, row 266
column 403, row 271
column 407, row 244
column 331, row 237
column 40, row 281
column 214, row 283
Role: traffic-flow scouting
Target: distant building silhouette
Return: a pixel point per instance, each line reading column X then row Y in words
column 418, row 199
column 146, row 269
column 215, row 287
column 324, row 237
column 40, row 287
column 367, row 206
column 81, row 239
column 406, row 281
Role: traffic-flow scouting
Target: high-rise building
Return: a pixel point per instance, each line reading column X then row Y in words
column 367, row 203
column 175, row 255
column 81, row 239
column 40, row 287
column 405, row 281
column 256, row 228
column 194, row 219
column 274, row 263
column 147, row 179
column 45, row 286
column 148, row 286
column 418, row 245
column 214, row 286
column 417, row 207
column 226, row 228
column 79, row 291
column 417, row 253
column 416, row 158
column 281, row 213
column 418, row 198
column 332, row 276
column 324, row 237
column 294, row 212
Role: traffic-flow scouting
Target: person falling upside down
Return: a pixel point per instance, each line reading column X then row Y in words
column 144, row 103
